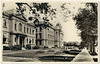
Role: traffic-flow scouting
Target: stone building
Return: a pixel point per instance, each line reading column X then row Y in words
column 45, row 36
column 58, row 39
column 50, row 37
column 16, row 30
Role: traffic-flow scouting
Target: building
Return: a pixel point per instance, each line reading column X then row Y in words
column 16, row 30
column 45, row 36
column 51, row 36
column 20, row 30
column 58, row 39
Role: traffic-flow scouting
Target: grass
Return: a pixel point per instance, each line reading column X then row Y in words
column 32, row 54
column 29, row 54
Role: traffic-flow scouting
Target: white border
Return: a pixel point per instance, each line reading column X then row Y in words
column 45, row 62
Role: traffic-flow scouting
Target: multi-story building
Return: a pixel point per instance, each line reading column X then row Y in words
column 16, row 30
column 51, row 36
column 58, row 39
column 45, row 36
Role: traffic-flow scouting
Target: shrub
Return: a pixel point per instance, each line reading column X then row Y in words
column 28, row 46
column 56, row 45
column 16, row 47
column 6, row 48
column 45, row 46
column 36, row 47
column 93, row 53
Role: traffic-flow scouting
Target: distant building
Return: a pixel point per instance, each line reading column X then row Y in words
column 16, row 30
column 45, row 36
column 58, row 39
column 50, row 37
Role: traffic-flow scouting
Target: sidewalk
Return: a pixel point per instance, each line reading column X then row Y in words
column 83, row 56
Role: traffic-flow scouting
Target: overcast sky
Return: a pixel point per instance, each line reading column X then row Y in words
column 71, row 33
column 68, row 24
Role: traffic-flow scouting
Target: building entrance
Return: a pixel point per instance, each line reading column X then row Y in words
column 21, row 42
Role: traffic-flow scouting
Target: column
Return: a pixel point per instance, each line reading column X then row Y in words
column 12, row 40
column 18, row 40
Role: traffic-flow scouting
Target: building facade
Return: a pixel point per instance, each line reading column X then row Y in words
column 58, row 39
column 51, row 36
column 16, row 30
column 45, row 37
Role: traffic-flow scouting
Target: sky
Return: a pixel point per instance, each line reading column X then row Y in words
column 71, row 33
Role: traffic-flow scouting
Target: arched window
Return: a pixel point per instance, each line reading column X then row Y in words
column 20, row 27
column 4, row 23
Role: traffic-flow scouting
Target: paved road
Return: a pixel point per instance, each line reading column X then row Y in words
column 83, row 56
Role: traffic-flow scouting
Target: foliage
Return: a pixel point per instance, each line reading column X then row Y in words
column 36, row 47
column 65, row 12
column 16, row 47
column 6, row 48
column 41, row 12
column 45, row 46
column 28, row 46
column 86, row 21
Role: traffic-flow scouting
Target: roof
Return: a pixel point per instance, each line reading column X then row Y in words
column 31, row 23
column 14, row 13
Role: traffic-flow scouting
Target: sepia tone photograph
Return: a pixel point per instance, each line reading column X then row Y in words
column 52, row 31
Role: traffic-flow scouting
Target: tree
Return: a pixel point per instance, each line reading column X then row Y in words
column 86, row 21
column 36, row 10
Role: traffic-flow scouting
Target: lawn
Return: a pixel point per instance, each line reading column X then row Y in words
column 31, row 55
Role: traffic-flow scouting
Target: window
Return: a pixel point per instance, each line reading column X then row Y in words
column 30, row 41
column 33, row 32
column 27, row 40
column 15, row 26
column 4, row 23
column 30, row 31
column 24, row 30
column 4, row 39
column 20, row 27
column 36, row 30
column 36, row 42
column 33, row 40
column 40, row 35
column 27, row 30
column 36, row 35
column 40, row 42
column 15, row 39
